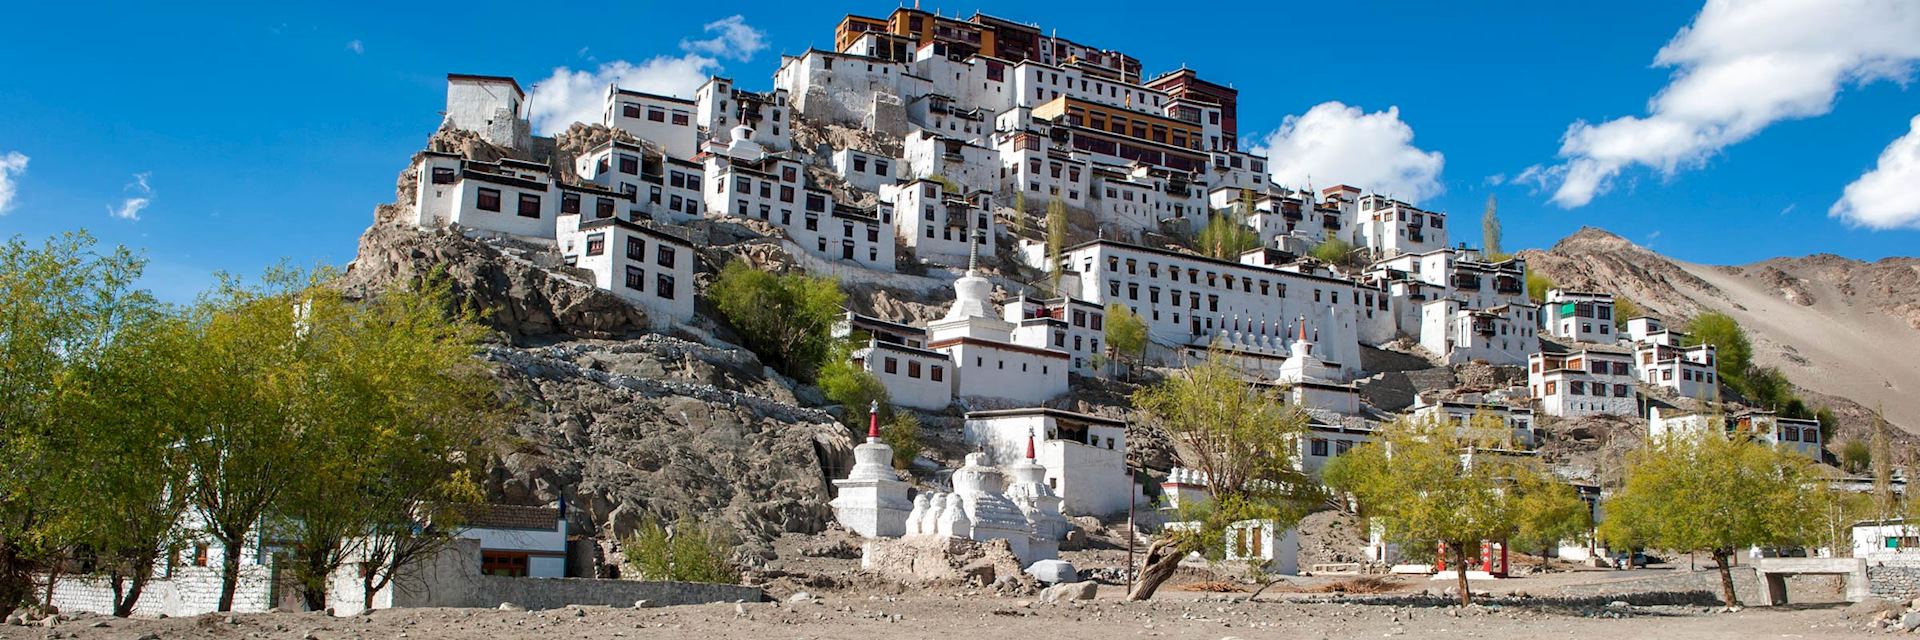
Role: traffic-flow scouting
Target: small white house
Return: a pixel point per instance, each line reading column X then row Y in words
column 666, row 121
column 867, row 171
column 1085, row 456
column 1799, row 436
column 1580, row 316
column 1518, row 421
column 641, row 264
column 492, row 106
column 511, row 196
column 1588, row 381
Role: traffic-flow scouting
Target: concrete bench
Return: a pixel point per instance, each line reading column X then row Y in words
column 1773, row 574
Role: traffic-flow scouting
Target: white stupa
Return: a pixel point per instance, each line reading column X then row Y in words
column 873, row 500
column 981, row 491
column 742, row 147
column 1027, row 489
column 1302, row 365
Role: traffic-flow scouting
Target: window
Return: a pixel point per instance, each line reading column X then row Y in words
column 529, row 205
column 656, row 115
column 596, row 244
column 939, row 373
column 636, row 278
column 663, row 286
column 1319, row 447
column 569, row 203
column 489, row 199
column 511, row 564
column 629, row 165
column 680, row 118
column 637, row 249
column 442, row 175
column 1619, row 391
column 913, row 369
column 892, row 365
column 603, row 207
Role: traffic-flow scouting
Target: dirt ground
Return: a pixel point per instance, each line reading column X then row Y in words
column 1656, row 603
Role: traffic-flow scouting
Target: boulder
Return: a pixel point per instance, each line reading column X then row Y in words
column 1070, row 591
column 1053, row 571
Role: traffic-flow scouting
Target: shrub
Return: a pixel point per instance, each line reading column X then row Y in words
column 903, row 434
column 1730, row 343
column 786, row 319
column 1856, row 456
column 686, row 551
column 854, row 389
column 1624, row 309
column 1333, row 251
column 1538, row 284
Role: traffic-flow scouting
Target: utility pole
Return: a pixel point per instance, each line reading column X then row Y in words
column 1134, row 477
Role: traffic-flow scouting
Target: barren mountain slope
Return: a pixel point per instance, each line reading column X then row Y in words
column 1837, row 326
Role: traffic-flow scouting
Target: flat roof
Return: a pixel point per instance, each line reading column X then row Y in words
column 1044, row 411
column 480, row 78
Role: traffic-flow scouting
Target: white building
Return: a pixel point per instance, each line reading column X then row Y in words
column 663, row 120
column 866, row 171
column 1391, row 227
column 1189, row 301
column 1799, row 436
column 1414, row 279
column 743, row 181
column 1516, row 421
column 661, row 187
column 849, row 89
column 970, row 166
column 1038, row 167
column 1064, row 324
column 1085, row 456
column 987, row 362
column 1326, row 440
column 1580, row 316
column 646, row 266
column 722, row 107
column 1588, row 380
column 1664, row 361
column 492, row 106
column 896, row 354
column 511, row 197
column 1501, row 335
column 940, row 225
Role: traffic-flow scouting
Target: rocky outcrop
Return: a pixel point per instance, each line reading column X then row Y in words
column 1594, row 260
column 518, row 290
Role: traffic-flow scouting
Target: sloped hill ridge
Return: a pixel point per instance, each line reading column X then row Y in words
column 1835, row 326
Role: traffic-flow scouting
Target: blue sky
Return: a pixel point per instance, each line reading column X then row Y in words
column 265, row 133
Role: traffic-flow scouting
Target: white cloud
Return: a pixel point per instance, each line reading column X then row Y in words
column 356, row 47
column 129, row 208
column 1741, row 66
column 12, row 164
column 1336, row 144
column 733, row 39
column 1887, row 197
column 570, row 96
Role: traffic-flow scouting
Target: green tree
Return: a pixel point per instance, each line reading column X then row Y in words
column 1731, row 346
column 1226, row 237
column 87, row 465
column 1243, row 438
column 1334, row 251
column 1624, row 309
column 903, row 435
column 1538, row 284
column 686, row 551
column 397, row 412
column 1126, row 335
column 1856, row 456
column 1490, row 230
column 1056, row 242
column 786, row 318
column 1716, row 495
column 1019, row 213
column 1424, row 481
column 854, row 389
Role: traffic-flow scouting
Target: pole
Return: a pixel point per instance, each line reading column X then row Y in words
column 1134, row 476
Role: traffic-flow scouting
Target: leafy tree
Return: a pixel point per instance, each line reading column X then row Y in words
column 83, row 461
column 1243, row 438
column 1056, row 241
column 853, row 388
column 685, row 551
column 397, row 413
column 1334, row 251
column 1731, row 346
column 1828, row 421
column 1538, row 284
column 1716, row 495
column 903, row 435
column 1882, row 463
column 785, row 318
column 1019, row 213
column 1414, row 479
column 1126, row 334
column 1490, row 230
column 1624, row 309
column 1226, row 237
column 1856, row 456
column 1550, row 512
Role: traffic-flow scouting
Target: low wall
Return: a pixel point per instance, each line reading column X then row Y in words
column 188, row 591
column 553, row 593
column 1895, row 577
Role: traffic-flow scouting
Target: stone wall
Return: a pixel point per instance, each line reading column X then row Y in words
column 188, row 591
column 1895, row 577
column 553, row 593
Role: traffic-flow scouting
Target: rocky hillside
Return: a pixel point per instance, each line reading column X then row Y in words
column 1842, row 329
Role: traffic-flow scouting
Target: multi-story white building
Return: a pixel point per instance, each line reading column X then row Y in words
column 1189, row 301
column 847, row 88
column 1038, row 167
column 1085, row 456
column 641, row 264
column 970, row 166
column 660, row 187
column 1415, row 279
column 1064, row 324
column 941, row 227
column 1517, row 421
column 743, row 181
column 987, row 361
column 1580, row 316
column 896, row 354
column 511, row 196
column 866, row 171
column 1500, row 335
column 721, row 106
column 1588, row 380
column 492, row 106
column 1391, row 227
column 1664, row 361
column 1327, row 440
column 663, row 120
column 1800, row 436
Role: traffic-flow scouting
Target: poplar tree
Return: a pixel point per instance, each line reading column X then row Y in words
column 1126, row 334
column 1056, row 241
column 1490, row 230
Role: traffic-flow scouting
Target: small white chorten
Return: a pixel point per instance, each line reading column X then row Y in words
column 980, row 489
column 873, row 500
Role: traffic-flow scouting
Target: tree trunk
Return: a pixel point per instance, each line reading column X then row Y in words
column 367, row 588
column 1460, row 572
column 15, row 578
column 313, row 579
column 1726, row 578
column 123, row 605
column 229, row 573
column 1163, row 557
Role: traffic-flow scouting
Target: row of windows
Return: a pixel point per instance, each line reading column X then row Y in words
column 656, row 114
column 663, row 255
column 1580, row 388
column 489, row 200
column 637, row 281
column 1317, row 447
column 891, row 366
